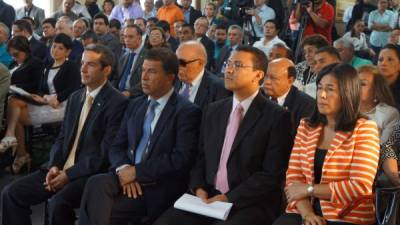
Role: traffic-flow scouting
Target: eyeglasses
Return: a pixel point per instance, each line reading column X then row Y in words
column 235, row 64
column 184, row 63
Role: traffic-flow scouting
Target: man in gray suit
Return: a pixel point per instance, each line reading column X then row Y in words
column 36, row 13
column 101, row 27
column 4, row 85
column 130, row 67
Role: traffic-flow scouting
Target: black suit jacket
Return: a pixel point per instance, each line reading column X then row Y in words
column 259, row 157
column 7, row 14
column 38, row 49
column 97, row 134
column 28, row 75
column 209, row 46
column 299, row 104
column 223, row 56
column 164, row 171
column 194, row 15
column 136, row 72
column 210, row 90
column 173, row 43
column 66, row 81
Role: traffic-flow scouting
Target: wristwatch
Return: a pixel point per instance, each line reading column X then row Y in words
column 310, row 191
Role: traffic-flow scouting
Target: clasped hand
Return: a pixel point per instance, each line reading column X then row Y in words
column 55, row 179
column 203, row 195
column 127, row 180
column 296, row 191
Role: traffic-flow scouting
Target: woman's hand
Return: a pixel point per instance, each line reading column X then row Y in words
column 38, row 98
column 296, row 191
column 312, row 219
column 52, row 100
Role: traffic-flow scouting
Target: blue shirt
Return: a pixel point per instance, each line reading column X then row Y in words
column 266, row 13
column 5, row 57
column 379, row 38
column 186, row 14
column 132, row 12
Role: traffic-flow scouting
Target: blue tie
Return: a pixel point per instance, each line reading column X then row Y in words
column 127, row 71
column 144, row 141
column 186, row 91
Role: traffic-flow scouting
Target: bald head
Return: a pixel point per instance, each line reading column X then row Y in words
column 281, row 74
column 193, row 58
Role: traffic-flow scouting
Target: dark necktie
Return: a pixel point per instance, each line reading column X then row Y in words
column 127, row 71
column 146, row 132
column 274, row 100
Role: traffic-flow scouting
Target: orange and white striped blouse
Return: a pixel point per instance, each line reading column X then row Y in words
column 349, row 169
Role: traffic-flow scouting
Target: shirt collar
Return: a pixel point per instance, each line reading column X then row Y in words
column 164, row 99
column 96, row 91
column 245, row 103
column 281, row 99
column 198, row 78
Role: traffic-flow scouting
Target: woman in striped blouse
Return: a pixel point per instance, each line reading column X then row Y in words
column 335, row 156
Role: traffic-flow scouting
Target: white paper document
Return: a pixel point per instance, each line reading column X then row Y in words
column 190, row 203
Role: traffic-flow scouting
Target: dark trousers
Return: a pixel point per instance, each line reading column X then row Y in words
column 250, row 215
column 295, row 219
column 103, row 203
column 19, row 196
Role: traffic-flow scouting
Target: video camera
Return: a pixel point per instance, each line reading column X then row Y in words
column 236, row 9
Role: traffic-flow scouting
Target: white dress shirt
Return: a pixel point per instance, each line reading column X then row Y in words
column 194, row 86
column 245, row 103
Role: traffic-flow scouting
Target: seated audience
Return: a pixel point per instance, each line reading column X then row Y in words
column 270, row 37
column 49, row 31
column 171, row 40
column 127, row 79
column 23, row 28
column 32, row 11
column 278, row 86
column 306, row 76
column 325, row 56
column 389, row 160
column 149, row 10
column 107, row 7
column 5, row 78
column 359, row 40
column 66, row 11
column 156, row 39
column 101, row 27
column 200, row 30
column 255, row 135
column 115, row 27
column 280, row 51
column 92, row 7
column 347, row 54
column 196, row 83
column 91, row 122
column 335, row 156
column 79, row 27
column 127, row 9
column 171, row 13
column 211, row 31
column 394, row 37
column 235, row 38
column 5, row 57
column 186, row 33
column 389, row 67
column 190, row 14
column 89, row 37
column 220, row 40
column 152, row 153
column 377, row 102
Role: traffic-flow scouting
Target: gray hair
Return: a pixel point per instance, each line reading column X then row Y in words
column 5, row 29
column 236, row 27
column 347, row 44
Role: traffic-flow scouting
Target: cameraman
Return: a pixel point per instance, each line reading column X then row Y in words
column 259, row 15
column 320, row 17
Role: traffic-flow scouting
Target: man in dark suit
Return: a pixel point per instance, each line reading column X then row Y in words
column 7, row 14
column 197, row 84
column 101, row 28
column 23, row 28
column 244, row 148
column 235, row 37
column 130, row 67
column 92, row 118
column 278, row 85
column 190, row 14
column 200, row 30
column 173, row 42
column 152, row 153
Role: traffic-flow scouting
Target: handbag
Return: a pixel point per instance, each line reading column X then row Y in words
column 387, row 202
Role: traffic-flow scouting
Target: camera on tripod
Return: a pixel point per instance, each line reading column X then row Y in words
column 236, row 9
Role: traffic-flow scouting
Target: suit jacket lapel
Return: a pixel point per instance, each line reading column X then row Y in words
column 250, row 119
column 314, row 135
column 222, row 120
column 76, row 112
column 135, row 126
column 289, row 100
column 202, row 91
column 337, row 141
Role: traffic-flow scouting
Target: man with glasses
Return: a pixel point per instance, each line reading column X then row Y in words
column 278, row 86
column 197, row 84
column 244, row 150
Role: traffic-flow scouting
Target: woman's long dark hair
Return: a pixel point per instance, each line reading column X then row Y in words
column 349, row 91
